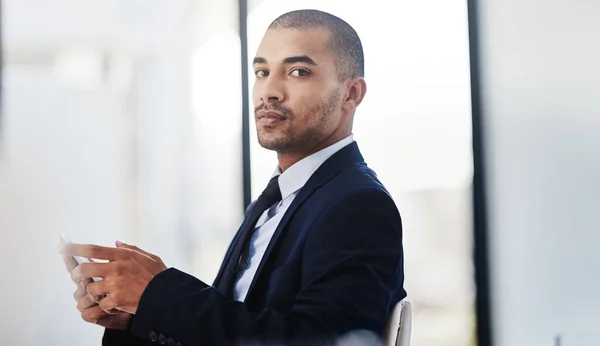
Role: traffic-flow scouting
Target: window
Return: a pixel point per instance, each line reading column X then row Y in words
column 414, row 130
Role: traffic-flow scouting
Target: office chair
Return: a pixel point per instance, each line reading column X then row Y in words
column 397, row 332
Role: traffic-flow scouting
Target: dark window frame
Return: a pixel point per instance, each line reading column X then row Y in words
column 480, row 224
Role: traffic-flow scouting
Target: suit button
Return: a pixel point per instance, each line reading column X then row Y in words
column 162, row 339
column 153, row 336
column 171, row 342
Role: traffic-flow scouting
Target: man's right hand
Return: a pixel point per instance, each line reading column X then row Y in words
column 90, row 310
column 92, row 313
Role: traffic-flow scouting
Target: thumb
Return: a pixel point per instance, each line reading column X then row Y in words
column 122, row 245
column 119, row 243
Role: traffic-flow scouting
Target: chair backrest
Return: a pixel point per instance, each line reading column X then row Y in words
column 399, row 325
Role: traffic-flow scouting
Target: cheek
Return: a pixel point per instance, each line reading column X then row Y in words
column 305, row 103
column 306, row 112
column 256, row 95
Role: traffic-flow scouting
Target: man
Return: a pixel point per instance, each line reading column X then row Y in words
column 319, row 254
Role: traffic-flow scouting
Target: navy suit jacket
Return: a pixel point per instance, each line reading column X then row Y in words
column 333, row 266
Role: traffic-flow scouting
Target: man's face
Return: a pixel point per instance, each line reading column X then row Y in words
column 296, row 92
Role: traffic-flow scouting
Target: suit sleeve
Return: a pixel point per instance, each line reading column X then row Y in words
column 114, row 337
column 352, row 275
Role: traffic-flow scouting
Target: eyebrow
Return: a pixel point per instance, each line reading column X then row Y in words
column 289, row 60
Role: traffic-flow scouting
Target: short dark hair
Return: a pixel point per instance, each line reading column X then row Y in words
column 345, row 43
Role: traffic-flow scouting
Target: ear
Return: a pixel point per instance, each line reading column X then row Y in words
column 355, row 93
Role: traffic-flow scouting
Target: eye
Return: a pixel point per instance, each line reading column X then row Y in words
column 261, row 73
column 299, row 72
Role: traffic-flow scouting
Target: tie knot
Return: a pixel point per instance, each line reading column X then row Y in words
column 272, row 193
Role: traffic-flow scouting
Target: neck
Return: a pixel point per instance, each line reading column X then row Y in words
column 288, row 159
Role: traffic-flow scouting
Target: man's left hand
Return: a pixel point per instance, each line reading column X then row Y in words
column 124, row 277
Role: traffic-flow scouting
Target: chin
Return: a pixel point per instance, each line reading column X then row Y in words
column 268, row 144
column 276, row 144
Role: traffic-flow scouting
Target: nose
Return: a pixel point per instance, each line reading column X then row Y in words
column 272, row 91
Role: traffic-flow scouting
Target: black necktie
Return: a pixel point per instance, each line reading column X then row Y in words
column 240, row 254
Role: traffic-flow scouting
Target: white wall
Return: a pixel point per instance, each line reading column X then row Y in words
column 541, row 73
column 62, row 171
column 99, row 139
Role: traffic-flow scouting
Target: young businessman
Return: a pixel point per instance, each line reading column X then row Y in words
column 319, row 254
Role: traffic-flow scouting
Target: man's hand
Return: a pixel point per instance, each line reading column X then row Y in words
column 92, row 313
column 88, row 306
column 124, row 277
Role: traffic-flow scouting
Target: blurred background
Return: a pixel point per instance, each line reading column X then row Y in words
column 123, row 120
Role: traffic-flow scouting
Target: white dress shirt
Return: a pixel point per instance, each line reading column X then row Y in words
column 290, row 183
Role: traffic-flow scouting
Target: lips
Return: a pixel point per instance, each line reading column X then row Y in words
column 270, row 114
column 269, row 117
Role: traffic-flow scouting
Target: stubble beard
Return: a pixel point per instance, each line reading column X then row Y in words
column 294, row 141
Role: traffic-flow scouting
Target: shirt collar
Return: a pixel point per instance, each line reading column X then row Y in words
column 298, row 174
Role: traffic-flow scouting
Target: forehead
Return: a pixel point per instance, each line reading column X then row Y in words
column 278, row 44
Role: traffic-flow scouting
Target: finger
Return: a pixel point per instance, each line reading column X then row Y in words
column 108, row 306
column 79, row 293
column 90, row 251
column 99, row 288
column 85, row 302
column 70, row 262
column 90, row 270
column 81, row 289
column 122, row 245
column 93, row 314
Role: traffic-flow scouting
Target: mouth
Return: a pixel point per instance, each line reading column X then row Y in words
column 270, row 117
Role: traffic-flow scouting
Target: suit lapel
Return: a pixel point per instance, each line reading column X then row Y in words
column 232, row 246
column 348, row 155
column 224, row 265
column 300, row 198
